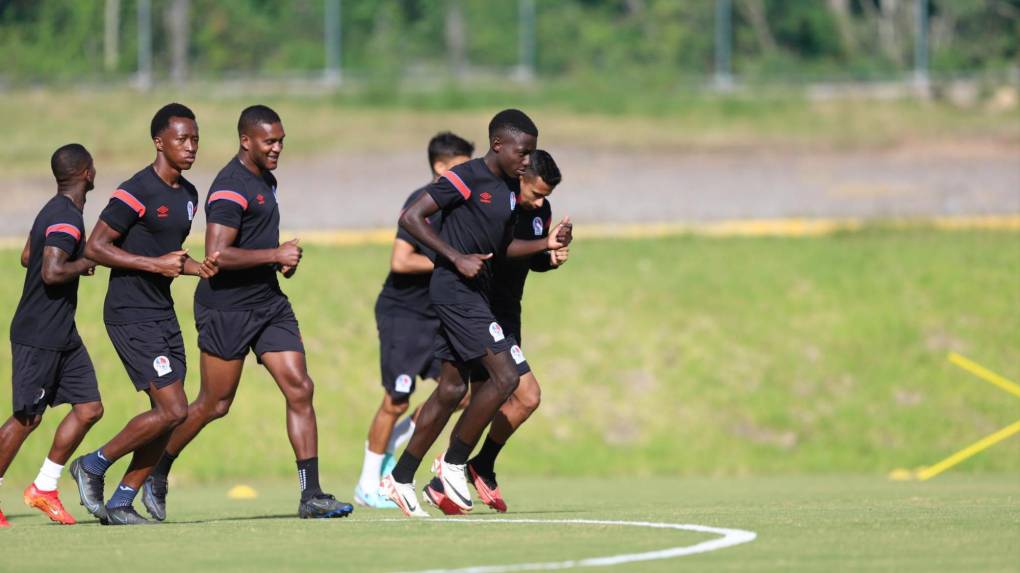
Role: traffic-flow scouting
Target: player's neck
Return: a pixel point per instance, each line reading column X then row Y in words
column 168, row 173
column 248, row 163
column 492, row 162
column 75, row 192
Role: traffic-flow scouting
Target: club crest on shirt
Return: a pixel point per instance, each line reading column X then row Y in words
column 536, row 225
column 403, row 383
column 513, row 201
column 496, row 331
column 191, row 210
column 517, row 354
column 161, row 364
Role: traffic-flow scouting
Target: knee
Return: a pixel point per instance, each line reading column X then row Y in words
column 395, row 408
column 451, row 392
column 506, row 383
column 529, row 398
column 89, row 413
column 220, row 408
column 175, row 415
column 300, row 392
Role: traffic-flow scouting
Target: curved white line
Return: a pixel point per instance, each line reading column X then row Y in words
column 730, row 537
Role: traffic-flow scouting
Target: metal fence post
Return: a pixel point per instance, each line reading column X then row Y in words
column 723, row 79
column 144, row 76
column 332, row 75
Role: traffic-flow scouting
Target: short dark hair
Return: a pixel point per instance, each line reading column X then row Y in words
column 69, row 160
column 161, row 120
column 447, row 145
column 256, row 115
column 511, row 120
column 542, row 164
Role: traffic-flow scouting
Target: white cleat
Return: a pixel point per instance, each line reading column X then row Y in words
column 403, row 495
column 455, row 484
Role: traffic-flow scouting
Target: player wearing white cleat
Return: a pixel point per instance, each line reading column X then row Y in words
column 454, row 479
column 403, row 495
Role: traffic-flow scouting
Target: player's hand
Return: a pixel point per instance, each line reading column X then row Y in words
column 286, row 271
column 470, row 265
column 559, row 256
column 210, row 266
column 561, row 235
column 288, row 254
column 171, row 264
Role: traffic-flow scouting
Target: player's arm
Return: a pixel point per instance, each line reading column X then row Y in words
column 407, row 260
column 26, row 252
column 102, row 248
column 414, row 221
column 220, row 239
column 57, row 269
column 560, row 237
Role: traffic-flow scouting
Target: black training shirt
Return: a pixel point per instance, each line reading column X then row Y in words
column 45, row 315
column 477, row 210
column 509, row 274
column 153, row 219
column 241, row 200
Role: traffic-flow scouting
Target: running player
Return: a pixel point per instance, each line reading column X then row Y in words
column 534, row 216
column 50, row 364
column 242, row 308
column 407, row 328
column 139, row 236
column 477, row 206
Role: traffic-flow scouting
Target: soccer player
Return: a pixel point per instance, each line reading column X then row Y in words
column 407, row 327
column 50, row 364
column 139, row 235
column 242, row 308
column 534, row 216
column 477, row 205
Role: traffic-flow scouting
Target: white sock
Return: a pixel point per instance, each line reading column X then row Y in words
column 370, row 470
column 1, row 480
column 401, row 433
column 49, row 473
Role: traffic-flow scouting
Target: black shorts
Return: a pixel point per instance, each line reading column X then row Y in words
column 511, row 323
column 467, row 331
column 230, row 334
column 406, row 351
column 152, row 352
column 44, row 378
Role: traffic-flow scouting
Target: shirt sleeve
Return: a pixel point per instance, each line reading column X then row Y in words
column 123, row 211
column 542, row 262
column 63, row 235
column 226, row 204
column 449, row 191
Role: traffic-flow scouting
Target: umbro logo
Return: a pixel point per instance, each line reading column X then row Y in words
column 163, row 212
column 486, row 197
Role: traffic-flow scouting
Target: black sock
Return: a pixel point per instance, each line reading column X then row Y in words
column 403, row 472
column 162, row 468
column 485, row 462
column 458, row 452
column 308, row 478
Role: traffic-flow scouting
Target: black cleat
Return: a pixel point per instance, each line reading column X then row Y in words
column 125, row 515
column 323, row 506
column 90, row 489
column 154, row 496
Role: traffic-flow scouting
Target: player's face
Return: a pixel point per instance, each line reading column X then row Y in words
column 179, row 142
column 534, row 190
column 513, row 152
column 264, row 144
column 90, row 176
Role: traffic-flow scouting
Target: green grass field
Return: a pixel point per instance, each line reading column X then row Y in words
column 833, row 523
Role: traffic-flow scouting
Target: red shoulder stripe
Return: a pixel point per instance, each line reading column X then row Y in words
column 458, row 183
column 130, row 200
column 229, row 196
column 64, row 228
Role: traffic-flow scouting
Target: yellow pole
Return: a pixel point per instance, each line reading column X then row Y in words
column 984, row 373
column 978, row 446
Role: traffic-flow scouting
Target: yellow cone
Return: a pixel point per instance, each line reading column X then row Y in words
column 242, row 491
column 901, row 475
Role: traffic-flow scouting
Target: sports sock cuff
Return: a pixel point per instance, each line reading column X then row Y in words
column 308, row 477
column 403, row 472
column 166, row 461
column 458, row 452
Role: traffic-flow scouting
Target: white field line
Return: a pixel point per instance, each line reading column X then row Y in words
column 729, row 538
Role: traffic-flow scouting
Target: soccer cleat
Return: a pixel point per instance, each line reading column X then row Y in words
column 433, row 495
column 125, row 515
column 48, row 502
column 154, row 496
column 488, row 489
column 3, row 521
column 454, row 482
column 373, row 499
column 90, row 489
column 323, row 506
column 403, row 495
column 389, row 462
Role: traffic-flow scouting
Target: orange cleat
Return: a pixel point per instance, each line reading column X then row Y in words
column 48, row 502
column 434, row 495
column 488, row 490
column 3, row 521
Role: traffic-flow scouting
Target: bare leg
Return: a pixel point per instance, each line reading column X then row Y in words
column 517, row 409
column 435, row 412
column 147, row 433
column 220, row 379
column 72, row 430
column 12, row 434
column 385, row 419
column 291, row 375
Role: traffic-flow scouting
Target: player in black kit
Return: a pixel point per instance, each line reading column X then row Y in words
column 242, row 309
column 50, row 364
column 478, row 208
column 140, row 235
column 408, row 327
